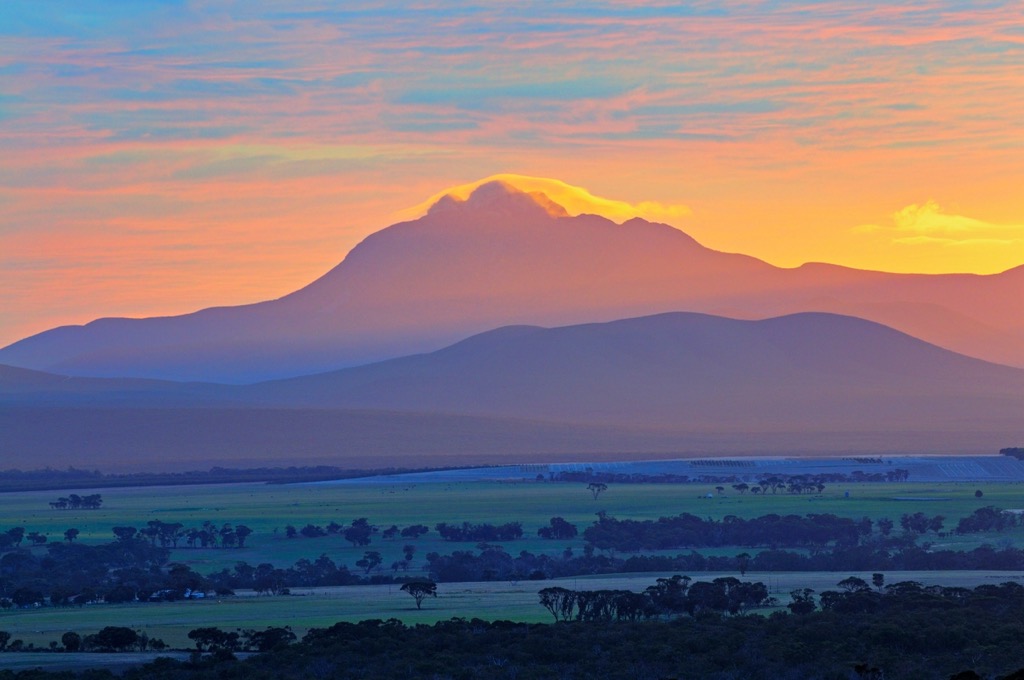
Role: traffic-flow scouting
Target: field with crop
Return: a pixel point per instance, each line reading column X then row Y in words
column 322, row 607
column 268, row 509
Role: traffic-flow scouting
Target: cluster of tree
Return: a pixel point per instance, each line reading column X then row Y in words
column 794, row 483
column 170, row 534
column 858, row 597
column 475, row 533
column 323, row 571
column 669, row 597
column 132, row 569
column 108, row 639
column 966, row 642
column 988, row 518
column 920, row 523
column 559, row 529
column 359, row 532
column 1013, row 451
column 686, row 530
column 12, row 538
column 75, row 502
column 123, row 639
column 213, row 639
column 492, row 563
column 882, row 558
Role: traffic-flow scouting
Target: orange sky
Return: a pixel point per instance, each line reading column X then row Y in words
column 162, row 157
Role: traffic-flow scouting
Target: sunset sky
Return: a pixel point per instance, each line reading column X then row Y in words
column 162, row 156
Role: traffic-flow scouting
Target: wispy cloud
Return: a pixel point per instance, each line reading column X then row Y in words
column 928, row 230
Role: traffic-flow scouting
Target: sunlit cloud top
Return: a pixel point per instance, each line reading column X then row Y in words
column 575, row 200
column 166, row 155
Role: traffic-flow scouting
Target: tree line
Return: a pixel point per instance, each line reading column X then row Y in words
column 794, row 482
column 75, row 502
column 668, row 597
column 919, row 635
column 687, row 530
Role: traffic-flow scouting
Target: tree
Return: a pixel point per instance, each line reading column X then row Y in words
column 241, row 533
column 559, row 601
column 978, row 493
column 5, row 637
column 415, row 531
column 125, row 533
column 268, row 640
column 16, row 535
column 743, row 562
column 420, row 589
column 72, row 641
column 853, row 584
column 212, row 639
column 559, row 529
column 115, row 638
column 358, row 534
column 803, row 601
column 312, row 531
column 371, row 559
column 71, row 534
column 878, row 580
column 597, row 488
column 27, row 597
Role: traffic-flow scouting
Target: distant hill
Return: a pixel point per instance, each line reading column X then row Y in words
column 506, row 257
column 685, row 371
column 23, row 387
column 669, row 384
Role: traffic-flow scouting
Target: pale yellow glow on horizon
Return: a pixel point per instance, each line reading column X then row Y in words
column 576, row 200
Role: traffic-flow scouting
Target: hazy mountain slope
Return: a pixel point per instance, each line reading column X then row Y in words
column 669, row 384
column 505, row 257
column 26, row 387
column 684, row 371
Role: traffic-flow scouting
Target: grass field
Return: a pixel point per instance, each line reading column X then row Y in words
column 322, row 607
column 115, row 662
column 267, row 509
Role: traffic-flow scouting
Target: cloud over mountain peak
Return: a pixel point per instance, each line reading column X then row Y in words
column 499, row 197
column 573, row 200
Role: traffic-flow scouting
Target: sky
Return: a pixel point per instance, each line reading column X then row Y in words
column 164, row 156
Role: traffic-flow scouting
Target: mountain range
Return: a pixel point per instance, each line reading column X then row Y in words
column 508, row 257
column 675, row 382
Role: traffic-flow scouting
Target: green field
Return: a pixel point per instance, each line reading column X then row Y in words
column 267, row 509
column 322, row 607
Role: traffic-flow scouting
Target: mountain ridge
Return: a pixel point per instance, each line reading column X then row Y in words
column 675, row 383
column 501, row 257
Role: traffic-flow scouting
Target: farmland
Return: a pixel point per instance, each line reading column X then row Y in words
column 268, row 509
column 322, row 607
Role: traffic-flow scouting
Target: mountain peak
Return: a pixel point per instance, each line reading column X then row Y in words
column 499, row 197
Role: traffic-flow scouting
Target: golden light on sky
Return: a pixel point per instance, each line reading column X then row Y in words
column 161, row 157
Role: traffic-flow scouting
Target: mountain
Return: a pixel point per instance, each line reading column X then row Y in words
column 666, row 384
column 24, row 387
column 504, row 256
column 685, row 372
